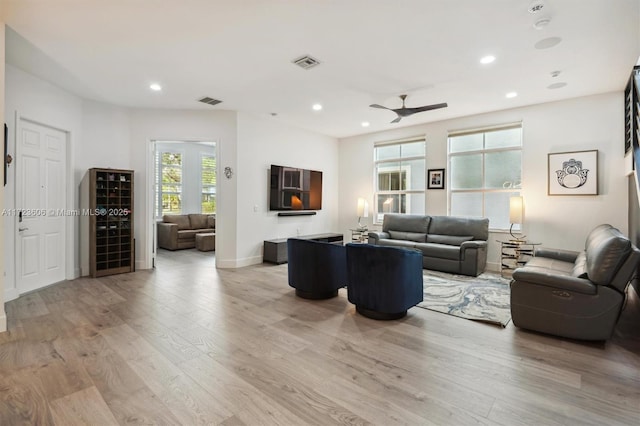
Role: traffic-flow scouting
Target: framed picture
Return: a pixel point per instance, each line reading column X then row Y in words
column 573, row 173
column 435, row 179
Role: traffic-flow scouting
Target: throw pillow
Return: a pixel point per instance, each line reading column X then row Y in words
column 211, row 221
column 181, row 220
column 198, row 221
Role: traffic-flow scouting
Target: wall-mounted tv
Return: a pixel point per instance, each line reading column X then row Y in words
column 291, row 188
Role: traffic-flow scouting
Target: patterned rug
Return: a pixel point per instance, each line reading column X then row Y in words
column 483, row 298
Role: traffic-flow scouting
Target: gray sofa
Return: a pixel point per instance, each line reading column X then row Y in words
column 447, row 243
column 575, row 294
column 179, row 231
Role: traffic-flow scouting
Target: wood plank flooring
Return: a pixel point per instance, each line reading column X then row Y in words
column 188, row 344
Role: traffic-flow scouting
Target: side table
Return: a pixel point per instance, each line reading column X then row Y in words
column 359, row 235
column 514, row 254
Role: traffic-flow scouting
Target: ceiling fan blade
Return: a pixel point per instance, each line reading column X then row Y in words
column 397, row 120
column 426, row 108
column 378, row 106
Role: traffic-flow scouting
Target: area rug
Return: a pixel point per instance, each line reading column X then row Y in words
column 483, row 298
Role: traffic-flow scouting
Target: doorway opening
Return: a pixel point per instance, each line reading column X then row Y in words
column 184, row 187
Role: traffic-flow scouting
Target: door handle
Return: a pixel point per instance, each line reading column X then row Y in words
column 22, row 229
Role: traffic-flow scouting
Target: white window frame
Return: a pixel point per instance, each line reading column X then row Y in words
column 158, row 183
column 516, row 187
column 215, row 187
column 377, row 216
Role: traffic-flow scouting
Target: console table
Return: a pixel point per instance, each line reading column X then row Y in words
column 275, row 251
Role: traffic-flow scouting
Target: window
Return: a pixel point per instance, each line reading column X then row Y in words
column 208, row 174
column 485, row 171
column 400, row 176
column 168, row 183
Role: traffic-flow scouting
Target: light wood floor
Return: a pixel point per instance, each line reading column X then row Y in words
column 189, row 344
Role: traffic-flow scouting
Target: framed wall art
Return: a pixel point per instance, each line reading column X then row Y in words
column 573, row 173
column 435, row 179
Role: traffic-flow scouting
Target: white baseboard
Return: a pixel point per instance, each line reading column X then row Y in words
column 11, row 294
column 141, row 265
column 493, row 267
column 3, row 321
column 238, row 263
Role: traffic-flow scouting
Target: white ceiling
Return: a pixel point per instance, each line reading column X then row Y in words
column 371, row 52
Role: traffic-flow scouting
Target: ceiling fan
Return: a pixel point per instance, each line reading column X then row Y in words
column 406, row 112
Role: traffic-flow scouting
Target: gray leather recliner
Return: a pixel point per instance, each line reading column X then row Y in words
column 578, row 295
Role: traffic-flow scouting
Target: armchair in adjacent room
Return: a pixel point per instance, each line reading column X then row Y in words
column 383, row 282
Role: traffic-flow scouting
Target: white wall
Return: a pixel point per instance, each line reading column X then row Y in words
column 191, row 171
column 3, row 317
column 263, row 141
column 105, row 138
column 216, row 126
column 594, row 122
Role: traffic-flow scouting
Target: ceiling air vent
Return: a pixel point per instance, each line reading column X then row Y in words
column 209, row 101
column 306, row 62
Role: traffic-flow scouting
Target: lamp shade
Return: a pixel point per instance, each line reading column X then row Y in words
column 387, row 206
column 363, row 208
column 516, row 209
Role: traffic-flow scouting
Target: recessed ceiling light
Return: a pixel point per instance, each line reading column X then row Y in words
column 511, row 94
column 317, row 107
column 547, row 43
column 155, row 87
column 487, row 59
column 556, row 85
column 365, row 124
column 541, row 23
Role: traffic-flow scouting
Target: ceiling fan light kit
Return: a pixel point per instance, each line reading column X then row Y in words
column 406, row 112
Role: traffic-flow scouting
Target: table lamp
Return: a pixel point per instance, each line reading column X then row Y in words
column 363, row 211
column 516, row 213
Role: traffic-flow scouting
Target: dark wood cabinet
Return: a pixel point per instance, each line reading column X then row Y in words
column 106, row 225
column 275, row 251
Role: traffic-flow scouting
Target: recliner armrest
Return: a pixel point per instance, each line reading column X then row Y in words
column 557, row 254
column 473, row 244
column 374, row 237
column 539, row 276
column 167, row 235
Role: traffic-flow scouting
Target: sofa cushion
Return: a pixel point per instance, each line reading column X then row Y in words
column 452, row 225
column 440, row 251
column 188, row 234
column 605, row 253
column 211, row 221
column 182, row 220
column 397, row 243
column 554, row 266
column 452, row 240
column 405, row 222
column 198, row 221
column 409, row 236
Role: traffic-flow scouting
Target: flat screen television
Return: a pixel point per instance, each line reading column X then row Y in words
column 291, row 188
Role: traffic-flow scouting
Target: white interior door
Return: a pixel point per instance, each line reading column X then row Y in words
column 40, row 197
